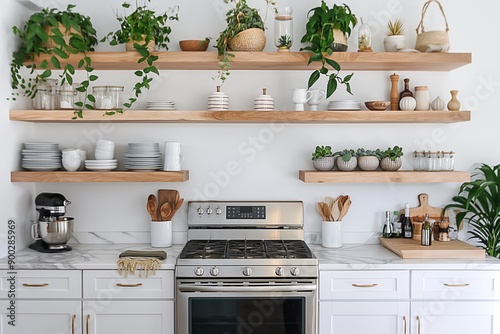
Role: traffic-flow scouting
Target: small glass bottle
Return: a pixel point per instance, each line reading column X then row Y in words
column 388, row 230
column 283, row 29
column 406, row 224
column 364, row 36
column 406, row 92
column 396, row 223
column 426, row 232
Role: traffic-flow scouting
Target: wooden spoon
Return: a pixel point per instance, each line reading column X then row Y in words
column 166, row 211
column 336, row 210
column 345, row 208
column 152, row 207
column 320, row 210
column 327, row 212
column 330, row 201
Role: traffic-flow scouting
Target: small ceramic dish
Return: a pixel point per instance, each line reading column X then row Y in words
column 377, row 105
column 194, row 45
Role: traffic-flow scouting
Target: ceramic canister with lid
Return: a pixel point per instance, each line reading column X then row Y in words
column 422, row 97
column 218, row 100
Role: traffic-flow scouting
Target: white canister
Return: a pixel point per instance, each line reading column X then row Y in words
column 331, row 234
column 407, row 103
column 422, row 97
column 161, row 233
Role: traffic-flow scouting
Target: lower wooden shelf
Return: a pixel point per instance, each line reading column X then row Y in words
column 410, row 176
column 90, row 176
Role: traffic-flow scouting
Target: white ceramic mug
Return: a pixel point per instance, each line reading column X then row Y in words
column 172, row 162
column 317, row 95
column 301, row 96
column 161, row 233
column 173, row 147
column 331, row 234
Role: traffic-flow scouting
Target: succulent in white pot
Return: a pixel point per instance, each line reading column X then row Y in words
column 367, row 159
column 346, row 160
column 391, row 159
column 322, row 158
column 395, row 39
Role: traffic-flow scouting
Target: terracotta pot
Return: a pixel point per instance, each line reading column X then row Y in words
column 389, row 165
column 250, row 40
column 129, row 46
column 347, row 165
column 369, row 162
column 324, row 163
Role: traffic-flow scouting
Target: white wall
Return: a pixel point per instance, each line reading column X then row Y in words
column 270, row 155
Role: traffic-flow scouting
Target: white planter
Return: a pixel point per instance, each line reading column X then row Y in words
column 324, row 163
column 369, row 162
column 346, row 165
column 389, row 165
column 394, row 43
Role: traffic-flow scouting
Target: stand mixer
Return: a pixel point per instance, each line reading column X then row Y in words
column 52, row 231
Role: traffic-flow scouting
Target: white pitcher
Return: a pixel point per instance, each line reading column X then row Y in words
column 300, row 97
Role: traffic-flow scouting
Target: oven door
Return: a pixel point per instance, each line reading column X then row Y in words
column 235, row 307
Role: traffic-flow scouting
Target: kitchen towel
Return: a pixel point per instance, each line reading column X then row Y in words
column 144, row 261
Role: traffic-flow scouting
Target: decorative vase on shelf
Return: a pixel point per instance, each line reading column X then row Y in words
column 422, row 97
column 437, row 104
column 391, row 165
column 454, row 104
column 408, row 103
column 346, row 165
column 368, row 162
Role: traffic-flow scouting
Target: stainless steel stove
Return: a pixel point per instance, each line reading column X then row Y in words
column 246, row 268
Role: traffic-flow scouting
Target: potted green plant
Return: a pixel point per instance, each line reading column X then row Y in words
column 368, row 159
column 346, row 160
column 395, row 39
column 479, row 205
column 391, row 159
column 322, row 158
column 245, row 31
column 58, row 35
column 325, row 32
column 143, row 31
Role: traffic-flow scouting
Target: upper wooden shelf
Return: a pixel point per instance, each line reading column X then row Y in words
column 304, row 117
column 91, row 176
column 349, row 61
column 408, row 176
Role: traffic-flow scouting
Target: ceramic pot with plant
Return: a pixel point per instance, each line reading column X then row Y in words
column 346, row 160
column 143, row 31
column 59, row 35
column 478, row 202
column 391, row 159
column 395, row 39
column 323, row 158
column 322, row 41
column 367, row 159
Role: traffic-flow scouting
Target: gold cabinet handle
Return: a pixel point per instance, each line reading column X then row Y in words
column 364, row 285
column 41, row 285
column 404, row 324
column 418, row 321
column 73, row 324
column 125, row 285
column 87, row 323
column 456, row 285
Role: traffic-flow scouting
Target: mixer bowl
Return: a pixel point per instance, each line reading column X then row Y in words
column 54, row 233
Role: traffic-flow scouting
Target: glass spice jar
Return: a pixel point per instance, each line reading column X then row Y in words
column 45, row 98
column 66, row 97
column 108, row 97
column 283, row 29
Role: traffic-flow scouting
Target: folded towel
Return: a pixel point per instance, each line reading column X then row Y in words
column 143, row 261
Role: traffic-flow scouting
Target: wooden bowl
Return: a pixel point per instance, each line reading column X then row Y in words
column 194, row 45
column 377, row 105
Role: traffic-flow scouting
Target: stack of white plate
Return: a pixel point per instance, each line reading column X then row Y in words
column 160, row 105
column 41, row 156
column 143, row 156
column 344, row 105
column 101, row 165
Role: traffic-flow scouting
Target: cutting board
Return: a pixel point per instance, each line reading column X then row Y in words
column 411, row 249
column 417, row 214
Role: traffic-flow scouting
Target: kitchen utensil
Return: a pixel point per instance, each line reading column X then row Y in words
column 417, row 214
column 335, row 210
column 152, row 207
column 178, row 204
column 330, row 201
column 327, row 211
column 321, row 212
column 345, row 208
column 166, row 211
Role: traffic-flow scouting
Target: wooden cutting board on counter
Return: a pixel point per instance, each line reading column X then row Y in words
column 417, row 214
column 411, row 249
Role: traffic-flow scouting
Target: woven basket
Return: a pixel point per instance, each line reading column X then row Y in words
column 66, row 34
column 129, row 46
column 250, row 40
column 435, row 37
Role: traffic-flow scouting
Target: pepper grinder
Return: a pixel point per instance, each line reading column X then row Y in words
column 394, row 92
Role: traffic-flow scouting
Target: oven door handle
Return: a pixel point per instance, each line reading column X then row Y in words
column 273, row 288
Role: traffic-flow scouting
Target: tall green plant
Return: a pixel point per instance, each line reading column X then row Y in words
column 479, row 205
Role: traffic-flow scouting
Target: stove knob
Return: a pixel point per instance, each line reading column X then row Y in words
column 214, row 271
column 209, row 211
column 218, row 211
column 200, row 210
column 247, row 271
column 295, row 271
column 198, row 271
column 279, row 271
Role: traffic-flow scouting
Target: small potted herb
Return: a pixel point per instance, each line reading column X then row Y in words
column 143, row 31
column 391, row 159
column 368, row 159
column 395, row 39
column 346, row 160
column 325, row 32
column 323, row 158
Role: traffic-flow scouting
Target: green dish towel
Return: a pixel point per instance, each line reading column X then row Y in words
column 158, row 254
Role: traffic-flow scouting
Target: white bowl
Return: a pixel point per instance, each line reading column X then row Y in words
column 104, row 156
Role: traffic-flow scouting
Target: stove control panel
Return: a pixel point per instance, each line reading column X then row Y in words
column 245, row 212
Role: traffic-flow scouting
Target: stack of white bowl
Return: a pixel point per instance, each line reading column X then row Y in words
column 71, row 159
column 264, row 102
column 218, row 100
column 41, row 156
column 104, row 154
column 344, row 105
column 143, row 157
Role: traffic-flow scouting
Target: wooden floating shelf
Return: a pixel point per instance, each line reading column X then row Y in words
column 313, row 176
column 349, row 61
column 305, row 117
column 91, row 176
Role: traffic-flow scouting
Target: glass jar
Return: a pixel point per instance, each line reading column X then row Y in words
column 420, row 160
column 364, row 36
column 108, row 97
column 283, row 29
column 448, row 160
column 438, row 165
column 431, row 161
column 45, row 98
column 66, row 97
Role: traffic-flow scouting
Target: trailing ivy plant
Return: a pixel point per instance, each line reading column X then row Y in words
column 142, row 26
column 57, row 34
column 320, row 37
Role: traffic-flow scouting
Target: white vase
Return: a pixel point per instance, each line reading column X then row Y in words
column 437, row 104
column 394, row 43
column 324, row 163
column 369, row 162
column 389, row 165
column 346, row 165
column 408, row 103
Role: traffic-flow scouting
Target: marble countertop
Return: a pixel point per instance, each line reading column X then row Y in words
column 348, row 257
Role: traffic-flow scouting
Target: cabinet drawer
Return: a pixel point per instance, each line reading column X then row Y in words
column 42, row 284
column 455, row 285
column 111, row 285
column 364, row 285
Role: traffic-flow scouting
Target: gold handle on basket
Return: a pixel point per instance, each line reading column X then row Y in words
column 418, row 321
column 73, row 324
column 87, row 323
column 125, row 285
column 424, row 11
column 36, row 285
column 404, row 324
column 456, row 285
column 364, row 285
